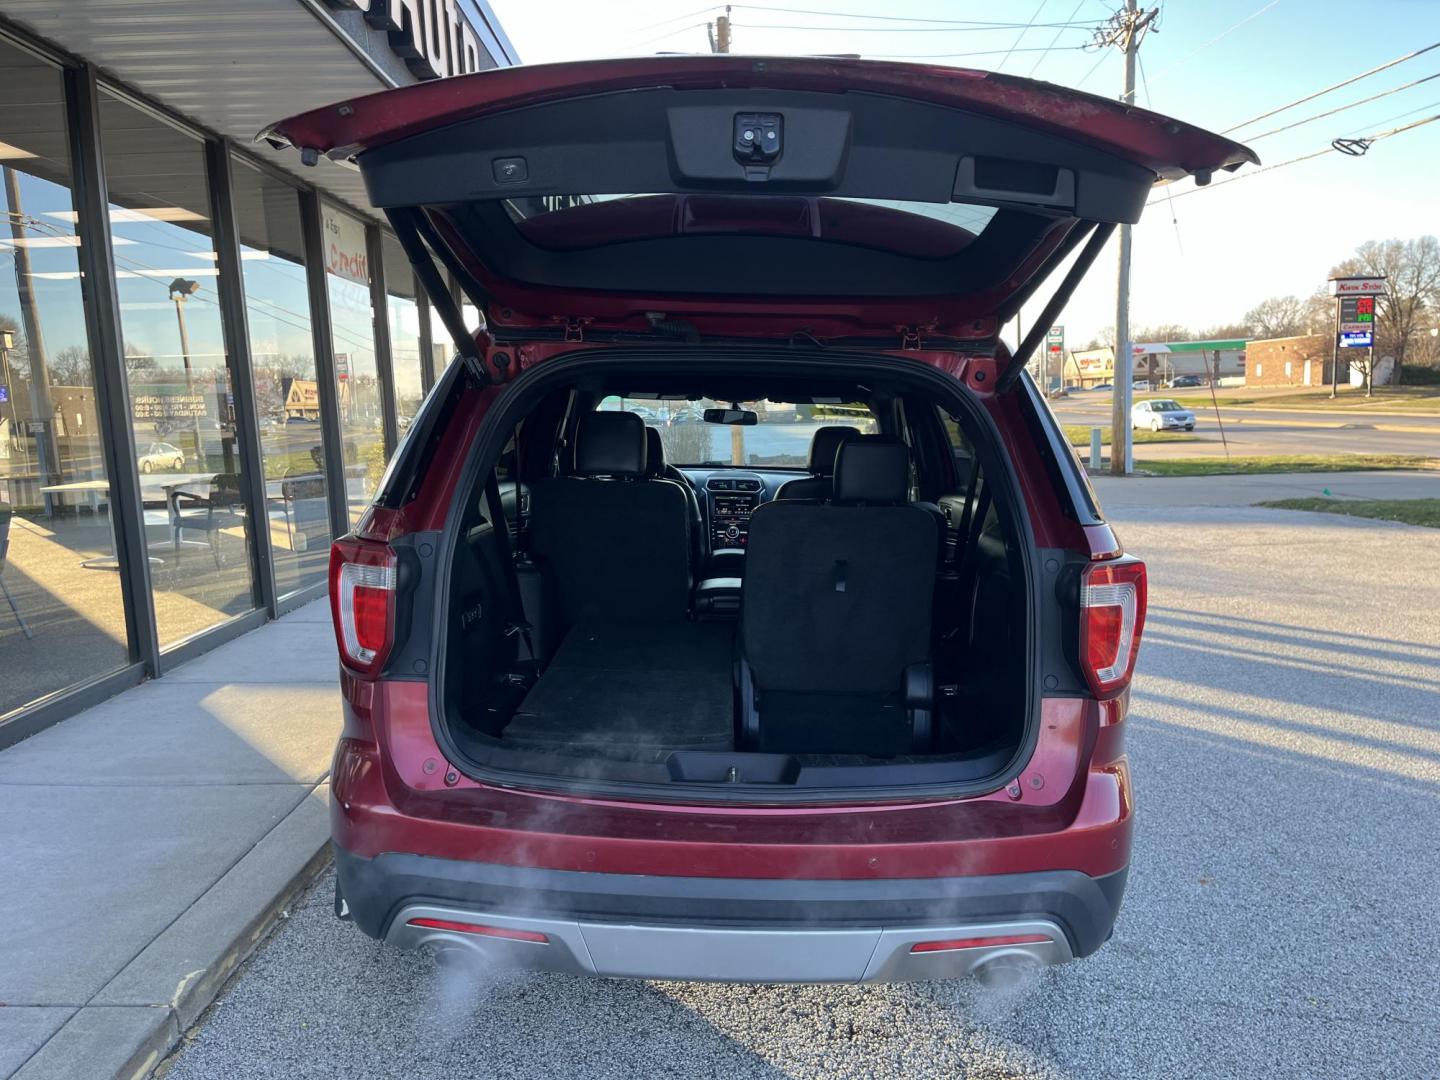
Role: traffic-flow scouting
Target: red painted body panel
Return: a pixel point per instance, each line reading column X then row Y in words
column 1070, row 808
column 1167, row 147
column 1065, row 816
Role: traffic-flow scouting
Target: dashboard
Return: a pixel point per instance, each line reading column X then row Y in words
column 729, row 496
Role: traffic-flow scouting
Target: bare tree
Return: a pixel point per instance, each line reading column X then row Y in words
column 1412, row 270
column 71, row 367
column 139, row 362
column 686, row 444
column 1320, row 312
column 1226, row 332
column 1277, row 317
column 1162, row 332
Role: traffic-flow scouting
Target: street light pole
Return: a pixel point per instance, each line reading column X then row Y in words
column 182, row 289
column 7, row 342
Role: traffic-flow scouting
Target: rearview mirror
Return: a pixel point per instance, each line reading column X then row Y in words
column 741, row 417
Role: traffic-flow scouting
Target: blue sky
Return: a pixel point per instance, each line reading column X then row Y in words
column 1228, row 248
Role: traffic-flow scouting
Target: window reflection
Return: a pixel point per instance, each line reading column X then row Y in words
column 347, row 279
column 403, row 313
column 282, row 353
column 62, row 619
column 177, row 371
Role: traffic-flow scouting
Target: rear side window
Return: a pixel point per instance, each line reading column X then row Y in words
column 417, row 446
column 1059, row 455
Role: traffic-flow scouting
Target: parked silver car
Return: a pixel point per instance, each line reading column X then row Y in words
column 159, row 456
column 1161, row 414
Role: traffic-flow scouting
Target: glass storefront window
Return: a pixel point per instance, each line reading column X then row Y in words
column 177, row 371
column 442, row 348
column 404, row 315
column 347, row 280
column 282, row 356
column 62, row 617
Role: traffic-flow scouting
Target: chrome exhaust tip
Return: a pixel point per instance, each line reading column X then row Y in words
column 1008, row 970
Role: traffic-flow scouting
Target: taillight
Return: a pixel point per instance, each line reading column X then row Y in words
column 362, row 603
column 1112, row 615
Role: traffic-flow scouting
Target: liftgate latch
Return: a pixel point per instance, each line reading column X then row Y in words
column 759, row 139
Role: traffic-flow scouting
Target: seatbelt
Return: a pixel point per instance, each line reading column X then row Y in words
column 972, row 539
column 962, row 533
column 516, row 623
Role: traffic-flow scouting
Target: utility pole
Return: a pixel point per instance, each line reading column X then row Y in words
column 1125, row 30
column 719, row 32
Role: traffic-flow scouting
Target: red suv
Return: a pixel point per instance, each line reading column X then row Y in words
column 735, row 608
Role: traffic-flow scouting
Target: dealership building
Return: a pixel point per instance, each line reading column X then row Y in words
column 208, row 350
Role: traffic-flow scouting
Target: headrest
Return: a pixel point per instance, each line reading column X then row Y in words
column 873, row 469
column 654, row 453
column 610, row 444
column 825, row 444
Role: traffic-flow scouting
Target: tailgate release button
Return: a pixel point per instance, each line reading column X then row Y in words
column 510, row 170
column 759, row 137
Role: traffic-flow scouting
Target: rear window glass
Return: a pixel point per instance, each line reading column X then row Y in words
column 920, row 229
column 968, row 216
column 780, row 439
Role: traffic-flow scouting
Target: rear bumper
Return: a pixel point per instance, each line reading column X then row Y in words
column 741, row 930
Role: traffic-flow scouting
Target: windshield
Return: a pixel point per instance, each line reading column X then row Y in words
column 1166, row 406
column 780, row 438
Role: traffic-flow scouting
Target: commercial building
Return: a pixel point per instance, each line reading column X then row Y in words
column 207, row 350
column 1160, row 362
column 1292, row 361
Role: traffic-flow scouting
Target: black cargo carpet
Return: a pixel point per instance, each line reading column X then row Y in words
column 632, row 693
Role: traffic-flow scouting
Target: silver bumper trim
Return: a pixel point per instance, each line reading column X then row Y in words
column 767, row 954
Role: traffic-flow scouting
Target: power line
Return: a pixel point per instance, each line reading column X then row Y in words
column 1174, row 221
column 675, row 18
column 1398, row 116
column 953, row 56
column 1335, row 86
column 907, row 29
column 1341, row 108
column 893, row 18
column 1223, row 34
column 1053, row 41
column 1021, row 36
column 671, row 33
column 1363, row 144
column 1093, row 68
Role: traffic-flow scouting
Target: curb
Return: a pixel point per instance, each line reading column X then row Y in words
column 141, row 1014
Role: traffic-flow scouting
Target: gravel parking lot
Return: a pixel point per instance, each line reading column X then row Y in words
column 1280, row 922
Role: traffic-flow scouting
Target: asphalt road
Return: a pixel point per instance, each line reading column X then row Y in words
column 1280, row 921
column 1263, row 432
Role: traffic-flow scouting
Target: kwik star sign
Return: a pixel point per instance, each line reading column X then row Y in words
column 1355, row 318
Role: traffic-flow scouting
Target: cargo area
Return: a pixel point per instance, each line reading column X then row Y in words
column 827, row 591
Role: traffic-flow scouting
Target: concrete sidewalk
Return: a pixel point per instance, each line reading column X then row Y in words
column 150, row 841
column 1148, row 491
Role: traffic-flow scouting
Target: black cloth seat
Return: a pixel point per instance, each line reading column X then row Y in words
column 835, row 620
column 824, row 447
column 614, row 543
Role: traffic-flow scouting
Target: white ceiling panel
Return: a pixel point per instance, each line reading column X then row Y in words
column 231, row 67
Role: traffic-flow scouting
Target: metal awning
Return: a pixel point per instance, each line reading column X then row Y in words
column 229, row 67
